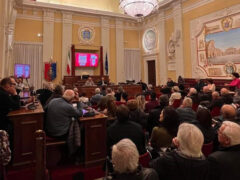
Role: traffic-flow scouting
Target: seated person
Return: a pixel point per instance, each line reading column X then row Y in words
column 205, row 95
column 83, row 98
column 125, row 158
column 211, row 86
column 170, row 83
column 216, row 100
column 226, row 96
column 187, row 162
column 141, row 102
column 89, row 82
column 97, row 97
column 228, row 113
column 144, row 85
column 57, row 92
column 20, row 85
column 235, row 82
column 199, row 84
column 119, row 93
column 225, row 163
column 110, row 92
column 102, row 82
column 123, row 128
column 45, row 93
column 162, row 135
column 175, row 95
column 9, row 100
column 193, row 94
column 152, row 103
column 59, row 114
column 185, row 111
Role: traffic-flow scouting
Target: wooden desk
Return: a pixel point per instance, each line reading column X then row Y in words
column 94, row 139
column 25, row 123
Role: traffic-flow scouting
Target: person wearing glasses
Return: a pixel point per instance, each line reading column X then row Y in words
column 9, row 100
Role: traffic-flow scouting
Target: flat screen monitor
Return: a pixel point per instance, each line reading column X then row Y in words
column 22, row 70
column 86, row 59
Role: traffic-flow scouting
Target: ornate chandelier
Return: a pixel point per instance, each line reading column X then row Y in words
column 138, row 8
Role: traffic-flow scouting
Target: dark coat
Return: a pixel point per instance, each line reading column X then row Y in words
column 186, row 114
column 153, row 118
column 7, row 104
column 225, row 163
column 139, row 117
column 141, row 174
column 174, row 165
column 120, row 130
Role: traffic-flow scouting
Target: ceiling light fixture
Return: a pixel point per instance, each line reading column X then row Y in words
column 138, row 8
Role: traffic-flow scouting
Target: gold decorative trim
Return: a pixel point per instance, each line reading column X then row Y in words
column 86, row 35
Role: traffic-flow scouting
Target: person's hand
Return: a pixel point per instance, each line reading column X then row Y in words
column 12, row 90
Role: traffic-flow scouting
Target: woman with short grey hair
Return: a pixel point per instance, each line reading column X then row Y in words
column 125, row 158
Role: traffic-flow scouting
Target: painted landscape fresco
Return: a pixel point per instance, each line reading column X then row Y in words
column 222, row 47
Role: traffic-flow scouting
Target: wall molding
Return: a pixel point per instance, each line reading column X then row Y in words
column 28, row 43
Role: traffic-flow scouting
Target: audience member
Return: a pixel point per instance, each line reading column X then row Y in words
column 211, row 86
column 187, row 162
column 89, row 82
column 76, row 97
column 175, row 95
column 144, row 85
column 57, row 93
column 193, row 95
column 123, row 128
column 125, row 158
column 181, row 83
column 216, row 100
column 83, row 98
column 205, row 95
column 119, row 93
column 162, row 135
column 205, row 125
column 9, row 101
column 110, row 92
column 141, row 102
column 170, row 83
column 20, row 85
column 199, row 84
column 103, row 91
column 136, row 114
column 59, row 115
column 225, row 163
column 228, row 113
column 152, row 103
column 111, row 108
column 97, row 97
column 185, row 111
column 45, row 93
column 153, row 118
column 226, row 96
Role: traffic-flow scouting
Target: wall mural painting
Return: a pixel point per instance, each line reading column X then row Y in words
column 218, row 47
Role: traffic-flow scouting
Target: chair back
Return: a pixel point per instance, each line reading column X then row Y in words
column 207, row 149
column 195, row 107
column 144, row 159
column 176, row 103
column 215, row 111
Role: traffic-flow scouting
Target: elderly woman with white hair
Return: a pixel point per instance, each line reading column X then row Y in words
column 187, row 162
column 125, row 158
column 175, row 95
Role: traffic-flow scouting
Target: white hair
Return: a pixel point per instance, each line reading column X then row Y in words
column 68, row 95
column 193, row 91
column 97, row 91
column 232, row 131
column 187, row 102
column 190, row 140
column 125, row 156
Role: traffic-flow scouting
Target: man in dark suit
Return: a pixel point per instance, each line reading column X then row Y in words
column 123, row 128
column 102, row 82
column 9, row 100
column 225, row 163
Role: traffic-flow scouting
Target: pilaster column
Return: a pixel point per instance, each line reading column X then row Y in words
column 177, row 14
column 105, row 41
column 48, row 34
column 66, row 40
column 120, row 52
column 162, row 48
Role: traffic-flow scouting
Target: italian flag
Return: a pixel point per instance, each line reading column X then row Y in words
column 69, row 62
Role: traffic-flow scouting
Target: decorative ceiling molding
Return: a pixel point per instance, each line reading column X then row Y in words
column 74, row 9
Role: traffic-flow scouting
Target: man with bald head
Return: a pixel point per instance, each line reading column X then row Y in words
column 226, row 96
column 225, row 163
column 216, row 100
column 59, row 113
column 205, row 95
column 228, row 112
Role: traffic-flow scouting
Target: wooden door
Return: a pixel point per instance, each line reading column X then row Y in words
column 151, row 72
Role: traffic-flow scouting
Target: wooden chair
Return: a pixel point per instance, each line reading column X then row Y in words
column 176, row 103
column 144, row 159
column 41, row 172
column 207, row 149
column 215, row 111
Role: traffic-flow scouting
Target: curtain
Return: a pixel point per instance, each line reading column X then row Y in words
column 30, row 53
column 132, row 64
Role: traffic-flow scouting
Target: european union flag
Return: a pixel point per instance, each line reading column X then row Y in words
column 106, row 64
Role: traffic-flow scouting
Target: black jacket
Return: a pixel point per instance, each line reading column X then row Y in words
column 139, row 117
column 7, row 103
column 140, row 174
column 174, row 165
column 120, row 130
column 225, row 164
